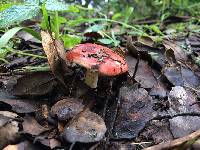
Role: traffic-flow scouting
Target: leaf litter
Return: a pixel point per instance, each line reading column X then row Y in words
column 145, row 103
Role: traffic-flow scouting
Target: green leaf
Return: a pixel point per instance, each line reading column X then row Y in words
column 3, row 52
column 116, row 16
column 5, row 6
column 73, row 9
column 36, row 2
column 45, row 22
column 8, row 35
column 94, row 28
column 128, row 13
column 33, row 33
column 105, row 41
column 55, row 5
column 16, row 14
column 70, row 40
column 62, row 19
column 79, row 21
column 156, row 29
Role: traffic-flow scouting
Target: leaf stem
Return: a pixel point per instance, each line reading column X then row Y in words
column 5, row 61
column 114, row 21
column 57, row 26
column 27, row 54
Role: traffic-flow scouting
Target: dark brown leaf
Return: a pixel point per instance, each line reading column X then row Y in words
column 181, row 76
column 51, row 143
column 144, row 74
column 183, row 125
column 9, row 130
column 52, row 50
column 26, row 145
column 178, row 52
column 134, row 112
column 89, row 127
column 31, row 126
column 35, row 84
column 158, row 130
column 21, row 106
column 146, row 40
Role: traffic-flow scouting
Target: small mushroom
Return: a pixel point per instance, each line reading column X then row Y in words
column 66, row 108
column 98, row 60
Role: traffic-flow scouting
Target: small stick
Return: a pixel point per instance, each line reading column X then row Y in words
column 72, row 145
column 136, row 65
column 177, row 142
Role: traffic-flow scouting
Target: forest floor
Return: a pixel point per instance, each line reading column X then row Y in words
column 154, row 103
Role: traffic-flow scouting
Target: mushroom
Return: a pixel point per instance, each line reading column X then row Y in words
column 98, row 60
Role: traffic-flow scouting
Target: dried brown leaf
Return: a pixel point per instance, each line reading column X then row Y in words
column 88, row 127
column 35, row 84
column 23, row 146
column 135, row 112
column 52, row 50
column 178, row 52
column 21, row 106
column 146, row 40
column 144, row 74
column 9, row 130
column 31, row 126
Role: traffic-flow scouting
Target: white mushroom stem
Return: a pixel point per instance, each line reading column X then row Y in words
column 91, row 78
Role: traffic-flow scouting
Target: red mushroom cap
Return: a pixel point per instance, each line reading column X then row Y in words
column 101, row 58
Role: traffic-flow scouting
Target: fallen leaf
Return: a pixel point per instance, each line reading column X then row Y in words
column 55, row 61
column 51, row 143
column 183, row 125
column 182, row 101
column 153, row 55
column 181, row 76
column 121, row 146
column 36, row 84
column 159, row 89
column 134, row 112
column 178, row 52
column 31, row 126
column 89, row 127
column 9, row 130
column 158, row 130
column 144, row 74
column 27, row 37
column 23, row 146
column 146, row 40
column 21, row 106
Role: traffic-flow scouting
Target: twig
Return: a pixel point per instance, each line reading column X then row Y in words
column 113, row 122
column 27, row 54
column 72, row 145
column 4, row 60
column 26, row 70
column 195, row 90
column 177, row 142
column 136, row 65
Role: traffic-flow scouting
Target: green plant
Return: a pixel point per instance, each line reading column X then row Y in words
column 23, row 11
column 49, row 9
column 5, row 48
column 31, row 8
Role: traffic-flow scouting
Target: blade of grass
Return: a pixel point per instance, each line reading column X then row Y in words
column 75, row 22
column 27, row 54
column 8, row 35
